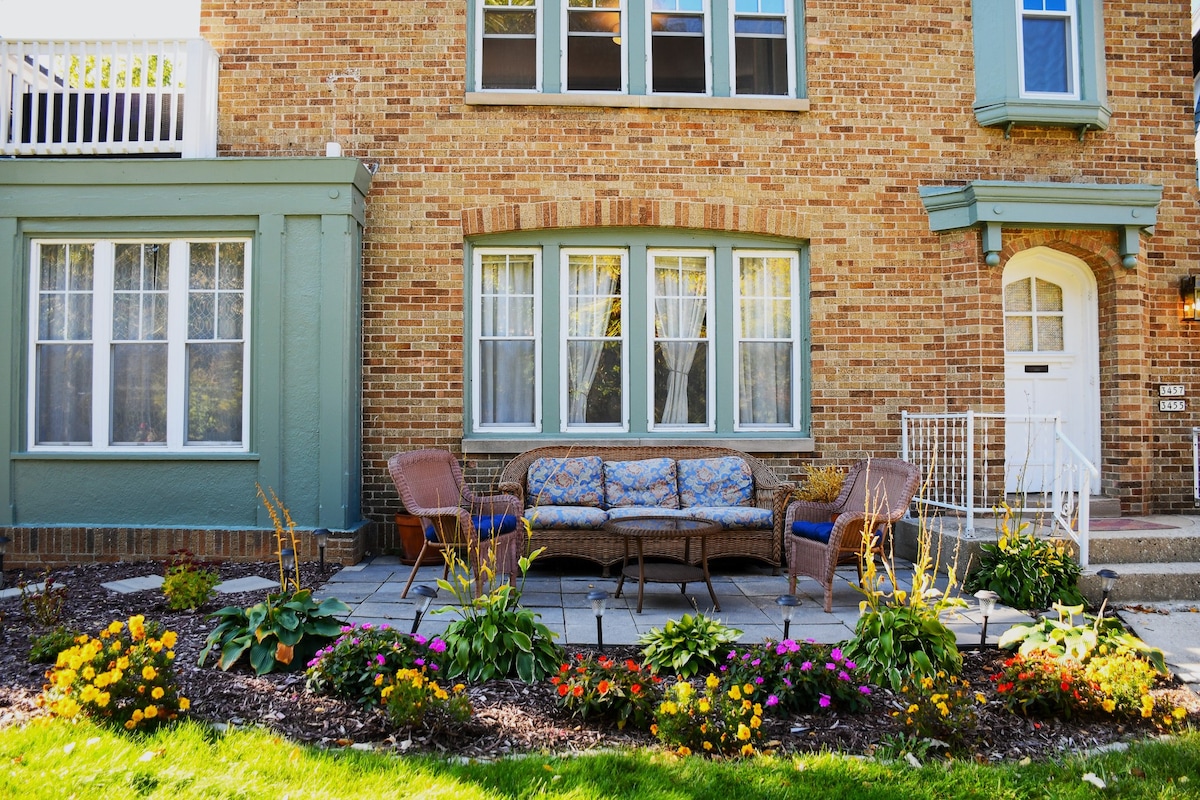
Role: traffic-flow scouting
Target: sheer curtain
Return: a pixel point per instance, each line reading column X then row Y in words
column 507, row 378
column 590, row 283
column 765, row 341
column 680, row 309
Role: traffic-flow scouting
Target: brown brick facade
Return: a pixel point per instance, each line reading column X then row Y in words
column 902, row 318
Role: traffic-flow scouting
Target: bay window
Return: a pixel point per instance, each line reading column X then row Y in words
column 570, row 333
column 138, row 344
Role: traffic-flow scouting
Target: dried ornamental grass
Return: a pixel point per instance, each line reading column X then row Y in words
column 821, row 484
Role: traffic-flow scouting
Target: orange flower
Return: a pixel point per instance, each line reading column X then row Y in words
column 563, row 689
column 603, row 687
column 578, row 691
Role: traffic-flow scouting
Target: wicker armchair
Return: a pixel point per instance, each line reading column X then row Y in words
column 431, row 487
column 877, row 492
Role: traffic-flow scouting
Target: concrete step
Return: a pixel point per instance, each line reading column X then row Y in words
column 1134, row 547
column 1100, row 507
column 1152, row 582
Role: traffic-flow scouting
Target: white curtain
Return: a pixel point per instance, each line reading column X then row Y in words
column 590, row 284
column 507, row 373
column 765, row 359
column 680, row 308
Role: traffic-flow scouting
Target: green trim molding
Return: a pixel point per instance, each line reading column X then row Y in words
column 994, row 205
column 998, row 100
column 304, row 217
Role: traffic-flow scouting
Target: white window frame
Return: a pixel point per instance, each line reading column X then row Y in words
column 477, row 339
column 539, row 45
column 710, row 339
column 707, row 16
column 1071, row 15
column 794, row 338
column 564, row 328
column 102, row 340
column 789, row 36
column 622, row 34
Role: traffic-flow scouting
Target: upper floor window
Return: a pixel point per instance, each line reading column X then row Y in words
column 657, row 336
column 1048, row 47
column 138, row 344
column 706, row 48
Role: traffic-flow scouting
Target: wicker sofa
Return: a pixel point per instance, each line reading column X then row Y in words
column 568, row 492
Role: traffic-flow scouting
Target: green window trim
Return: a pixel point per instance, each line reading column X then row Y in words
column 550, row 86
column 999, row 100
column 639, row 246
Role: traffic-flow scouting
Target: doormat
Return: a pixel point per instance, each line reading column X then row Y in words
column 1128, row 524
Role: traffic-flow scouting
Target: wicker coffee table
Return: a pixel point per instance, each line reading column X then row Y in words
column 639, row 529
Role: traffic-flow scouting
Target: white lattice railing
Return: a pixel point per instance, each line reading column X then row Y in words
column 962, row 457
column 64, row 98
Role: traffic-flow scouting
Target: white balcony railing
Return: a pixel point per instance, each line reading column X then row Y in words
column 88, row 98
column 962, row 459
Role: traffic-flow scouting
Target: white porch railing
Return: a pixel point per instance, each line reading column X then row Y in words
column 962, row 459
column 70, row 98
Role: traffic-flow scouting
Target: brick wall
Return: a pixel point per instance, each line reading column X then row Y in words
column 902, row 318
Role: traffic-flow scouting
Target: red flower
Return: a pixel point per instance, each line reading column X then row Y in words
column 637, row 687
column 632, row 665
column 578, row 691
column 563, row 689
column 555, row 680
column 603, row 687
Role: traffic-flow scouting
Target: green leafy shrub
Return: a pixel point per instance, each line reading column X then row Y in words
column 44, row 602
column 1027, row 571
column 691, row 646
column 622, row 692
column 495, row 637
column 943, row 708
column 720, row 719
column 351, row 666
column 1043, row 685
column 820, row 485
column 413, row 698
column 45, row 648
column 799, row 676
column 900, row 635
column 1063, row 637
column 123, row 676
column 282, row 632
column 186, row 585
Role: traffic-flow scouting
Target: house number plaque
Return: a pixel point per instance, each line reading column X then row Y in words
column 1172, row 405
column 1170, row 390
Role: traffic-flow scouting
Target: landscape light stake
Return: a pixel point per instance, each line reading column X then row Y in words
column 987, row 604
column 787, row 606
column 1108, row 579
column 287, row 556
column 426, row 594
column 321, row 534
column 598, row 598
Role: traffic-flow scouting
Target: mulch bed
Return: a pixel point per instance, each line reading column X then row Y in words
column 511, row 717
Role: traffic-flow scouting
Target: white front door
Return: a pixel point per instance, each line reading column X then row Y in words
column 1051, row 364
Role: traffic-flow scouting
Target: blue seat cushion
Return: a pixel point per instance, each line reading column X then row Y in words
column 487, row 526
column 817, row 531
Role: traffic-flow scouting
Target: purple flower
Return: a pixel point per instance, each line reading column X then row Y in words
column 758, row 681
column 347, row 628
column 432, row 667
column 366, row 626
column 824, row 701
column 780, row 649
column 851, row 665
column 836, row 654
column 864, row 690
column 810, row 640
column 806, row 666
column 756, row 662
column 843, row 676
column 419, row 639
column 315, row 661
column 829, row 665
column 418, row 662
column 380, row 659
column 724, row 668
column 746, row 657
column 732, row 654
column 787, row 682
column 772, row 700
column 354, row 641
column 385, row 627
column 437, row 646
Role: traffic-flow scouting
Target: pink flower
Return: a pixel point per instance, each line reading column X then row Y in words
column 380, row 660
column 806, row 666
column 836, row 654
column 850, row 665
column 843, row 676
column 772, row 700
column 824, row 701
column 864, row 690
column 437, row 646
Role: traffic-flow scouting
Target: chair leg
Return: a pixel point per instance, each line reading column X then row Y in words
column 792, row 583
column 416, row 565
column 829, row 598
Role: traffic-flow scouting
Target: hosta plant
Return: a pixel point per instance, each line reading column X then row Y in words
column 1027, row 571
column 284, row 631
column 692, row 645
column 1064, row 637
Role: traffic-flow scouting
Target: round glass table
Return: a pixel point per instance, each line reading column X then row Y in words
column 640, row 529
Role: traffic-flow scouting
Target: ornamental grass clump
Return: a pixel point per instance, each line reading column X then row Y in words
column 350, row 667
column 623, row 692
column 718, row 719
column 412, row 698
column 803, row 677
column 123, row 677
column 820, row 485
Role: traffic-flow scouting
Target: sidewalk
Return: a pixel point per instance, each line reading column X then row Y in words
column 746, row 593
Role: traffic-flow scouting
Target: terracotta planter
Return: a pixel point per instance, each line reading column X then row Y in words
column 412, row 537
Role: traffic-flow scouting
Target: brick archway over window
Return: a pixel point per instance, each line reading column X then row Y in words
column 645, row 212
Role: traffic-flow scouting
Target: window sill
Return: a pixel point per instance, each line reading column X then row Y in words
column 1078, row 114
column 636, row 101
column 133, row 455
column 803, row 444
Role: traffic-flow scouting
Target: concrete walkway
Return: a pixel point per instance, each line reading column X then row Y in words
column 746, row 593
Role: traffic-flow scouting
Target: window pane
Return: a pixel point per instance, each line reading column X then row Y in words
column 203, row 265
column 599, row 402
column 1046, row 49
column 1049, row 296
column 681, row 334
column 765, row 388
column 214, row 392
column 229, row 316
column 507, row 381
column 53, row 272
column 762, row 66
column 1018, row 334
column 594, row 51
column 1050, row 334
column 594, row 341
column 681, row 394
column 677, row 52
column 509, row 49
column 201, row 313
column 1018, row 296
column 233, row 265
column 64, row 394
column 139, row 393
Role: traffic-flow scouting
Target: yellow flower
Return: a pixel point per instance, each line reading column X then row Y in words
column 149, row 673
column 748, row 689
column 979, row 698
column 184, row 704
column 88, row 672
column 102, row 699
column 137, row 715
column 654, row 730
column 1108, row 705
column 735, row 693
column 1179, row 712
column 168, row 640
column 912, row 709
column 137, row 628
column 684, row 690
column 747, row 749
column 708, row 745
column 712, row 681
column 157, row 693
column 123, row 662
column 115, row 628
column 755, row 722
column 155, row 645
column 684, row 750
column 747, row 705
column 758, row 709
column 151, row 712
column 89, row 693
column 743, row 732
column 130, row 724
column 170, row 655
column 704, row 706
column 668, row 708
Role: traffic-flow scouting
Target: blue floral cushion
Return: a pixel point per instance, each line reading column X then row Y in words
column 725, row 481
column 566, row 481
column 817, row 531
column 649, row 483
column 638, row 511
column 734, row 517
column 570, row 517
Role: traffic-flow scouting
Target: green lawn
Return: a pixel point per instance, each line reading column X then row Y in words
column 57, row 760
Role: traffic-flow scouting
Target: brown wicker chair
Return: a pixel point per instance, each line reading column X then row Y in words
column 877, row 492
column 431, row 487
